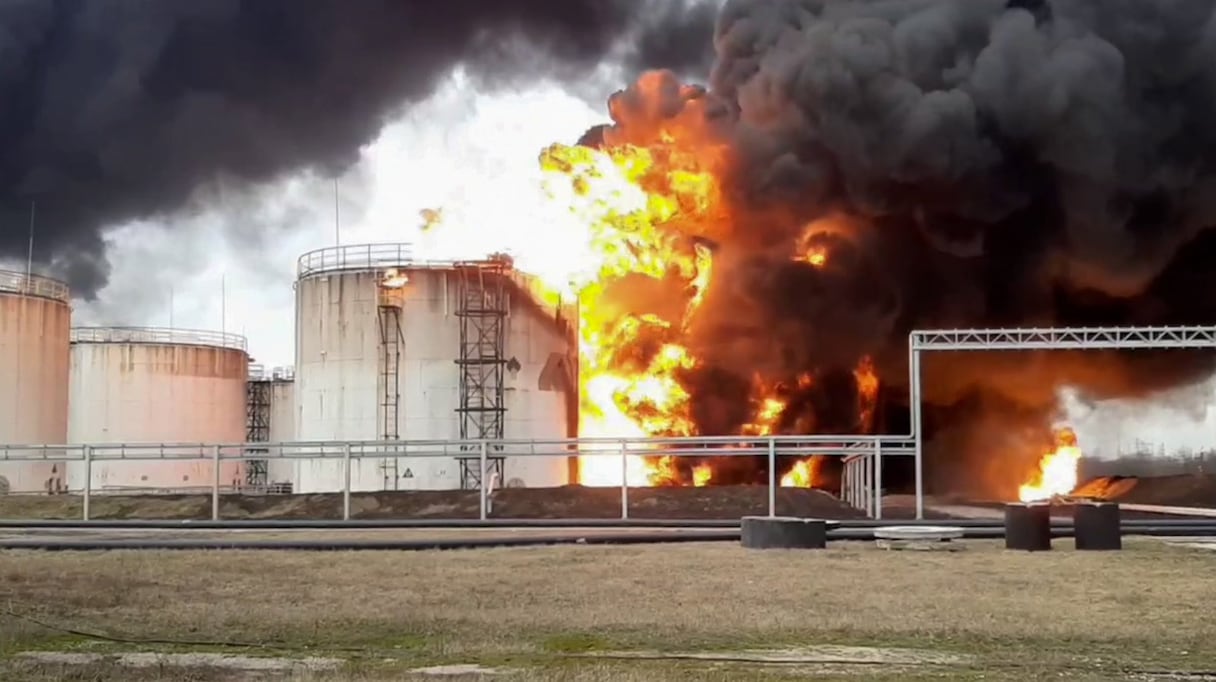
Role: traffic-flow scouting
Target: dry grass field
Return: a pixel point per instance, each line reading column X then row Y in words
column 677, row 612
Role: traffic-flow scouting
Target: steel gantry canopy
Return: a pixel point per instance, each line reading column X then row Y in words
column 1062, row 338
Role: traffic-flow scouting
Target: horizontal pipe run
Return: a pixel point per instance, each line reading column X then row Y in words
column 365, row 545
column 406, row 524
column 358, row 524
column 838, row 535
column 1169, row 510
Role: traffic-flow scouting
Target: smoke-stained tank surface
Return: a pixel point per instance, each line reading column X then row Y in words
column 34, row 319
column 389, row 347
column 156, row 385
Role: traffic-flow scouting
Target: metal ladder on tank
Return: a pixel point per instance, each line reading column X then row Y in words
column 391, row 341
column 482, row 309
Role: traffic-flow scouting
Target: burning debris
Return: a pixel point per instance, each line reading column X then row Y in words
column 431, row 219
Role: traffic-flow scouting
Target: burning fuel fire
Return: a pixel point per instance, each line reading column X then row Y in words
column 644, row 208
column 649, row 212
column 643, row 216
column 801, row 476
column 1057, row 473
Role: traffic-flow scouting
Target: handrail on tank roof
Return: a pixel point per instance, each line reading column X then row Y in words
column 260, row 372
column 34, row 285
column 365, row 257
column 159, row 335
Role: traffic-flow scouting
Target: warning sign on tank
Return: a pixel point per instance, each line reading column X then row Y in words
column 407, row 474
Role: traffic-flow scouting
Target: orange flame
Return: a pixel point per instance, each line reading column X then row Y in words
column 642, row 207
column 767, row 414
column 636, row 204
column 802, row 475
column 867, row 392
column 817, row 256
column 431, row 218
column 1057, row 473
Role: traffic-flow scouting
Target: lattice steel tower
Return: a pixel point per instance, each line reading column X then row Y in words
column 257, row 429
column 482, row 307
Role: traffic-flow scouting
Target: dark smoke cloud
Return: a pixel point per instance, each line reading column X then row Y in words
column 683, row 42
column 1041, row 163
column 1008, row 163
column 955, row 119
column 121, row 109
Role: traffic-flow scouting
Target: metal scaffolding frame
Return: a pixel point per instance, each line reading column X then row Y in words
column 391, row 341
column 1063, row 338
column 482, row 306
column 257, row 430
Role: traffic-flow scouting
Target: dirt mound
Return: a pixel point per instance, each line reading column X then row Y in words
column 721, row 502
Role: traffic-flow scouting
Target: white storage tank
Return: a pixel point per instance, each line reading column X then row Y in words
column 139, row 385
column 282, row 428
column 35, row 316
column 389, row 348
column 282, row 405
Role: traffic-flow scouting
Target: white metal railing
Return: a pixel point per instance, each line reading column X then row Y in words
column 362, row 257
column 869, row 449
column 34, row 285
column 354, row 257
column 861, row 482
column 159, row 335
column 369, row 257
column 259, row 372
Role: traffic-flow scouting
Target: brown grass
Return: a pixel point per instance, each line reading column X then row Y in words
column 1023, row 615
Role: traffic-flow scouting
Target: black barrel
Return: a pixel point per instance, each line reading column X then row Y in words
column 765, row 532
column 1097, row 525
column 1028, row 526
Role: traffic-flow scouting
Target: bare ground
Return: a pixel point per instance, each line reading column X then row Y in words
column 712, row 611
column 724, row 502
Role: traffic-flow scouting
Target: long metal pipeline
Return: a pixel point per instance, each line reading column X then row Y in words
column 508, row 524
column 360, row 524
column 991, row 532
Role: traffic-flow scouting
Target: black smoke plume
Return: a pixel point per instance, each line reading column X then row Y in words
column 120, row 109
column 1000, row 162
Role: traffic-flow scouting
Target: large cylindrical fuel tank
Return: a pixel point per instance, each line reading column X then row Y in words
column 390, row 348
column 139, row 385
column 35, row 316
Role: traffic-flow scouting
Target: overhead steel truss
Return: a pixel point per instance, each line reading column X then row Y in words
column 1063, row 338
column 1095, row 338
